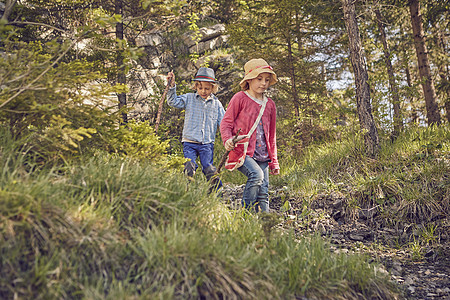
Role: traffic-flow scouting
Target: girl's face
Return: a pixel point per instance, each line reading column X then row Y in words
column 204, row 89
column 257, row 86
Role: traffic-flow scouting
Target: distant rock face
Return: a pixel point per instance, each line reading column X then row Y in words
column 164, row 53
column 149, row 40
column 208, row 45
column 205, row 34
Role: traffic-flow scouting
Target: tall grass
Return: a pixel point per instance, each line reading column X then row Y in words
column 409, row 176
column 108, row 228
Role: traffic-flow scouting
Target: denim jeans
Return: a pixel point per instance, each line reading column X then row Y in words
column 256, row 191
column 206, row 154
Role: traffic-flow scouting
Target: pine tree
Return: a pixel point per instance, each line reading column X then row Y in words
column 367, row 123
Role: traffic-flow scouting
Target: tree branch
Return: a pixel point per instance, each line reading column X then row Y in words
column 40, row 75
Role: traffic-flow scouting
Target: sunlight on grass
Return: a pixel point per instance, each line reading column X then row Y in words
column 410, row 174
column 113, row 225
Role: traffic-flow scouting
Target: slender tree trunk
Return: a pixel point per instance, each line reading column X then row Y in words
column 371, row 139
column 414, row 115
column 9, row 5
column 121, row 76
column 433, row 115
column 292, row 75
column 447, row 106
column 445, row 79
column 398, row 120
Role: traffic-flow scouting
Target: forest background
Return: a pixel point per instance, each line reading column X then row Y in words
column 91, row 161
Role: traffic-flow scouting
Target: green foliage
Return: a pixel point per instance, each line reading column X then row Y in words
column 407, row 181
column 291, row 38
column 113, row 226
column 138, row 140
column 56, row 103
column 63, row 109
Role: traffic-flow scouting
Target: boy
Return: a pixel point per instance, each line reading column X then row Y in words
column 203, row 114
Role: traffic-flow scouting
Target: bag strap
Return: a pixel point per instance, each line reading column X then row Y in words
column 261, row 112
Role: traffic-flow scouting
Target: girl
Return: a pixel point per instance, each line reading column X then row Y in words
column 256, row 152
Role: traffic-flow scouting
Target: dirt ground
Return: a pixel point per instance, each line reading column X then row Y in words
column 422, row 270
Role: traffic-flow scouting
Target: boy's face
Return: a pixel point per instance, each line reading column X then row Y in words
column 204, row 89
column 260, row 84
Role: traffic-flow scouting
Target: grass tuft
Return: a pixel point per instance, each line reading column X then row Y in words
column 407, row 181
column 108, row 227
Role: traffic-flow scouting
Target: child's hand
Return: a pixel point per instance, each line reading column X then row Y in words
column 229, row 145
column 171, row 79
column 275, row 172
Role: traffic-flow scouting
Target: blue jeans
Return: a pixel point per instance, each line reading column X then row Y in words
column 256, row 191
column 206, row 154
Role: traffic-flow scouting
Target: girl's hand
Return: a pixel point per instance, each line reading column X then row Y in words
column 229, row 145
column 275, row 172
column 171, row 79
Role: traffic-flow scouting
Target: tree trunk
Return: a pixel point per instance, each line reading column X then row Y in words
column 445, row 79
column 9, row 5
column 398, row 120
column 292, row 74
column 433, row 115
column 121, row 76
column 413, row 114
column 371, row 139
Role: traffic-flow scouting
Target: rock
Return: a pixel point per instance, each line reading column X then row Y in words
column 208, row 45
column 149, row 40
column 409, row 281
column 367, row 214
column 337, row 215
column 397, row 268
column 382, row 270
column 343, row 250
column 337, row 236
column 337, row 203
column 204, row 33
column 356, row 237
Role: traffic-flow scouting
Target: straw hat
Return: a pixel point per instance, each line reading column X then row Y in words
column 254, row 67
column 205, row 74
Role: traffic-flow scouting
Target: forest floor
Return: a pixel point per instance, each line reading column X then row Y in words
column 422, row 271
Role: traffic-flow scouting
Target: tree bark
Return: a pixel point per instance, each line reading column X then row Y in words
column 433, row 115
column 9, row 5
column 445, row 79
column 121, row 76
column 371, row 139
column 409, row 95
column 292, row 74
column 398, row 119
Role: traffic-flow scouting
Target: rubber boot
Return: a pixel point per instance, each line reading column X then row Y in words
column 189, row 169
column 214, row 181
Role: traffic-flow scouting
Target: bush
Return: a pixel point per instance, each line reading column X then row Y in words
column 58, row 104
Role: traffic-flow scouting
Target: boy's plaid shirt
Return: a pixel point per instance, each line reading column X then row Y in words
column 201, row 118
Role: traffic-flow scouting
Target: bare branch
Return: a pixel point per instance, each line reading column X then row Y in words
column 37, row 24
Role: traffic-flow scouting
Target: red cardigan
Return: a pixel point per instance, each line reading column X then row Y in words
column 241, row 113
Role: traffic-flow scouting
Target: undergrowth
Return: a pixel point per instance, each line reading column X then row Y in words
column 408, row 180
column 109, row 227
